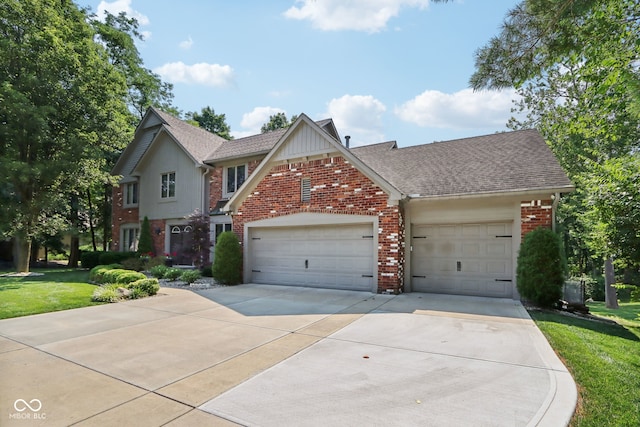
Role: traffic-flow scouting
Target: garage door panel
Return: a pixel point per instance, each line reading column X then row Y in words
column 320, row 256
column 468, row 259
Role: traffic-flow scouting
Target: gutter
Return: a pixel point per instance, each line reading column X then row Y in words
column 522, row 192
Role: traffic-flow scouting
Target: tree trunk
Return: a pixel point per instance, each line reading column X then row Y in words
column 91, row 227
column 611, row 298
column 22, row 251
column 74, row 250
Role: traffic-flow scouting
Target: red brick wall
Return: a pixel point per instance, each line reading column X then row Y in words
column 120, row 215
column 336, row 187
column 216, row 181
column 534, row 214
column 158, row 239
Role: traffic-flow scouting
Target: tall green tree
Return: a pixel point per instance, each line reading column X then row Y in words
column 277, row 121
column 575, row 65
column 208, row 119
column 62, row 110
column 145, row 88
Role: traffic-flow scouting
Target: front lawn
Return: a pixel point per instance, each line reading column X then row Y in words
column 57, row 289
column 604, row 359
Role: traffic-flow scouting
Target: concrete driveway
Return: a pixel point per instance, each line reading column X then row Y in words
column 275, row 356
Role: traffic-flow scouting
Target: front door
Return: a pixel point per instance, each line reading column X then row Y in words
column 179, row 241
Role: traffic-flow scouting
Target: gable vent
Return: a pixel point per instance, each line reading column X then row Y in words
column 305, row 189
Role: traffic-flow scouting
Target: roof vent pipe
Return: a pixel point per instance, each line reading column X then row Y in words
column 346, row 140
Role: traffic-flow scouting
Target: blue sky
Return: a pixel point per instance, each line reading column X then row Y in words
column 382, row 69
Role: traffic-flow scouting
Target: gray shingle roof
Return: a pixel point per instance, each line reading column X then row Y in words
column 510, row 161
column 254, row 144
column 198, row 142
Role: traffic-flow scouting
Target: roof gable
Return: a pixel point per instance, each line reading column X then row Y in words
column 197, row 143
column 303, row 139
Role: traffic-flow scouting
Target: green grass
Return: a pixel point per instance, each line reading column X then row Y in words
column 57, row 289
column 604, row 359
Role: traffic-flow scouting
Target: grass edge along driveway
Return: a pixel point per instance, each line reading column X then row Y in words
column 603, row 358
column 55, row 290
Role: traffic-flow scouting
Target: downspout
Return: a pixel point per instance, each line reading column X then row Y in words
column 554, row 205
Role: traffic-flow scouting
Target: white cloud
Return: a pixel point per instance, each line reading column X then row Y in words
column 358, row 15
column 253, row 120
column 202, row 74
column 359, row 117
column 186, row 44
column 464, row 109
column 117, row 6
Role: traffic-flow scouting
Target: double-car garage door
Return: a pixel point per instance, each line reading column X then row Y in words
column 332, row 256
column 463, row 259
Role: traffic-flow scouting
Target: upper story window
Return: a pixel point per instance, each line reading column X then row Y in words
column 234, row 178
column 168, row 188
column 131, row 194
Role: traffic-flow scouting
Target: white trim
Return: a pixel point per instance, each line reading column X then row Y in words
column 225, row 193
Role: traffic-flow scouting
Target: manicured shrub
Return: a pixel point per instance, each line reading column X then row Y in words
column 635, row 294
column 227, row 265
column 159, row 271
column 113, row 257
column 173, row 273
column 128, row 276
column 145, row 243
column 90, row 259
column 108, row 293
column 158, row 260
column 540, row 272
column 190, row 276
column 135, row 264
column 144, row 287
column 206, row 271
column 97, row 273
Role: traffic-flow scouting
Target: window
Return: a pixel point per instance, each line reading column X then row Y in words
column 131, row 194
column 130, row 238
column 168, row 188
column 235, row 177
column 305, row 189
column 219, row 229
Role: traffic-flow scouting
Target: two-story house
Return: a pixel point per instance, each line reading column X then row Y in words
column 310, row 211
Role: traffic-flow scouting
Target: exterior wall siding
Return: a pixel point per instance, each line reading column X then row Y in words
column 336, row 187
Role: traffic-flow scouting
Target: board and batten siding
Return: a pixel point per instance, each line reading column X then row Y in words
column 165, row 156
column 303, row 143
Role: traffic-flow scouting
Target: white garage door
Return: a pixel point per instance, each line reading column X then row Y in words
column 339, row 257
column 463, row 259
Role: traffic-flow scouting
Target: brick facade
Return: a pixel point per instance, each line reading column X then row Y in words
column 216, row 182
column 120, row 216
column 534, row 214
column 337, row 187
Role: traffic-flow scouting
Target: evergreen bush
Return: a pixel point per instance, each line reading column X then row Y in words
column 159, row 271
column 172, row 274
column 540, row 272
column 144, row 287
column 227, row 265
column 145, row 243
column 190, row 276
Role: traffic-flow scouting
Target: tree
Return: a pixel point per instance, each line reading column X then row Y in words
column 208, row 119
column 540, row 267
column 61, row 108
column 575, row 66
column 227, row 263
column 145, row 88
column 277, row 121
column 145, row 243
column 199, row 244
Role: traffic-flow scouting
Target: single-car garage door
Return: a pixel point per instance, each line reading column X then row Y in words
column 463, row 259
column 339, row 257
